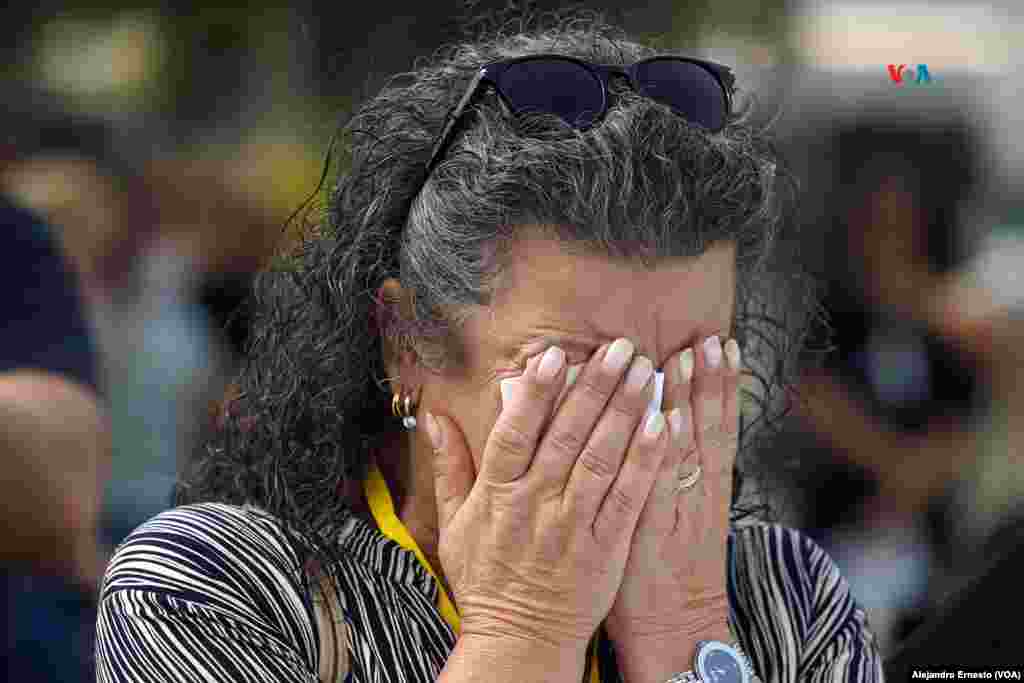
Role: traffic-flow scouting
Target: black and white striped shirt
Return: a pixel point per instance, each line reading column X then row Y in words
column 214, row 592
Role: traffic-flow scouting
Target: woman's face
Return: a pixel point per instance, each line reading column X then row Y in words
column 578, row 302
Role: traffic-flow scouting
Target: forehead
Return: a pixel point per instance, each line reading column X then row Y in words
column 549, row 295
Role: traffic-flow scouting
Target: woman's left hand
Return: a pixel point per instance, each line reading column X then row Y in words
column 674, row 591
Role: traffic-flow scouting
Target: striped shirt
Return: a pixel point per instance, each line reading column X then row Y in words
column 215, row 592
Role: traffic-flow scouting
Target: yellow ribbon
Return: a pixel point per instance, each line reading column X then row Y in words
column 379, row 498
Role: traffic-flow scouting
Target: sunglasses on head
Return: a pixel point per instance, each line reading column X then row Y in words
column 577, row 91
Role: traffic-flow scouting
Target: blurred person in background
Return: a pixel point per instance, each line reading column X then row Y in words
column 55, row 444
column 164, row 247
column 156, row 255
column 909, row 401
column 895, row 402
column 897, row 192
column 980, row 305
column 534, row 519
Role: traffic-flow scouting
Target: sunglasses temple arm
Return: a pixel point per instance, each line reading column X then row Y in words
column 728, row 77
column 451, row 119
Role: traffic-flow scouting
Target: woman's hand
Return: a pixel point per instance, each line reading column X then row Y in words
column 535, row 548
column 674, row 589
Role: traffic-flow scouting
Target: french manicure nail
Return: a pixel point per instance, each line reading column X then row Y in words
column 639, row 374
column 507, row 387
column 713, row 351
column 550, row 363
column 732, row 354
column 571, row 374
column 655, row 424
column 675, row 423
column 617, row 355
column 686, row 366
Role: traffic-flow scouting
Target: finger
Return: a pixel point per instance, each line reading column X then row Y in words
column 679, row 394
column 620, row 510
column 731, row 398
column 679, row 387
column 708, row 404
column 592, row 472
column 597, row 387
column 526, row 405
column 660, row 515
column 453, row 467
column 571, row 374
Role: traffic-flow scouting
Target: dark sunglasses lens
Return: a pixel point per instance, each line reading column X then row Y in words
column 689, row 88
column 554, row 86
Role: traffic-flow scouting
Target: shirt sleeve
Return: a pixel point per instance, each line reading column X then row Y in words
column 41, row 314
column 209, row 593
column 839, row 646
column 794, row 613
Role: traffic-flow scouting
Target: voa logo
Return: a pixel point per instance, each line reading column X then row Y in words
column 900, row 74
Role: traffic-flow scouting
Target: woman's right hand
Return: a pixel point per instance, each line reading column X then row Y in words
column 535, row 548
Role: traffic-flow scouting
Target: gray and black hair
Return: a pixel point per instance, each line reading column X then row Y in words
column 642, row 185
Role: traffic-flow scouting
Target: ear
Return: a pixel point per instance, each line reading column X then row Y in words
column 399, row 360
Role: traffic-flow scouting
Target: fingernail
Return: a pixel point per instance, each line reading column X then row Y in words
column 550, row 363
column 732, row 354
column 571, row 374
column 655, row 424
column 639, row 374
column 675, row 423
column 617, row 355
column 686, row 366
column 507, row 386
column 713, row 351
column 433, row 431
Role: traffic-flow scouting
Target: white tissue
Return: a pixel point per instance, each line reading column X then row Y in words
column 659, row 389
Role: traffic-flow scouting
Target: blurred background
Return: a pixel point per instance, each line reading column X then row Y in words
column 166, row 146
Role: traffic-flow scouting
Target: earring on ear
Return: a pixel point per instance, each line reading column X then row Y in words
column 404, row 407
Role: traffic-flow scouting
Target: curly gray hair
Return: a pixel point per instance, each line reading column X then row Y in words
column 644, row 184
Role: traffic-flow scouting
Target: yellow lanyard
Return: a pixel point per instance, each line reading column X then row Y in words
column 379, row 498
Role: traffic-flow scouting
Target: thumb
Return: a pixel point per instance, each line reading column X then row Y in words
column 454, row 472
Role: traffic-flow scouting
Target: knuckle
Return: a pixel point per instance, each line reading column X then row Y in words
column 645, row 457
column 709, row 428
column 620, row 502
column 591, row 392
column 510, row 438
column 690, row 451
column 716, row 437
column 711, row 436
column 565, row 442
column 536, row 392
column 622, row 408
column 597, row 464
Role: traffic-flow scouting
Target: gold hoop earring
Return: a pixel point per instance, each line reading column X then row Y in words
column 403, row 406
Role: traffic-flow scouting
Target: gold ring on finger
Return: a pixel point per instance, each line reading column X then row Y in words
column 690, row 480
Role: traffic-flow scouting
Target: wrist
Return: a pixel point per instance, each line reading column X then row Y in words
column 498, row 659
column 653, row 657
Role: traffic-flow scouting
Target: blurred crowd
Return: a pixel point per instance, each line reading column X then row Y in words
column 130, row 256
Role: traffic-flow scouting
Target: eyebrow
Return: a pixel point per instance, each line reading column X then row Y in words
column 523, row 347
column 570, row 342
column 567, row 342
